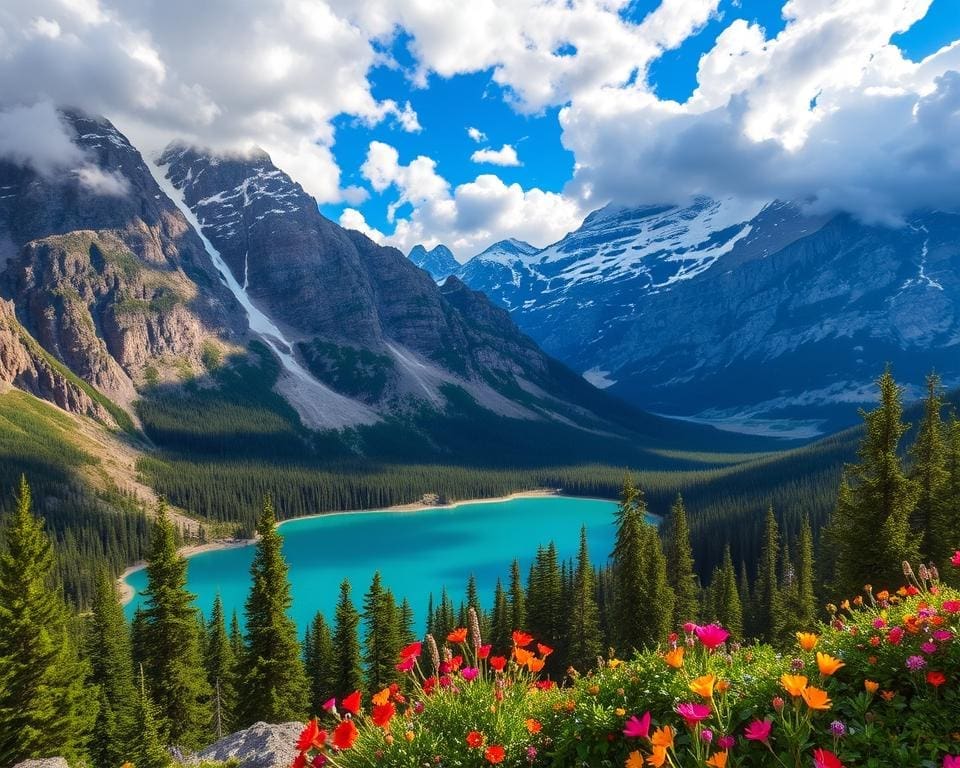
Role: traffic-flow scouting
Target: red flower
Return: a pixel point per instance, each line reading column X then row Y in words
column 475, row 739
column 497, row 663
column 407, row 664
column 311, row 737
column 382, row 714
column 545, row 650
column 521, row 639
column 458, row 636
column 300, row 761
column 955, row 560
column 352, row 702
column 936, row 678
column 495, row 753
column 483, row 651
column 545, row 685
column 824, row 758
column 345, row 734
column 411, row 650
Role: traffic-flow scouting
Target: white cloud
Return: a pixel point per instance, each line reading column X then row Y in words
column 351, row 218
column 100, row 182
column 506, row 156
column 466, row 218
column 476, row 134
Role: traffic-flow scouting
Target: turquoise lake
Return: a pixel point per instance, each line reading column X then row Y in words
column 416, row 553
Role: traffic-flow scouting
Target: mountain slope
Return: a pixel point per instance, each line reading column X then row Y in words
column 438, row 261
column 753, row 318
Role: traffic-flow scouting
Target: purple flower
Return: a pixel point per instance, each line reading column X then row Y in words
column 531, row 754
column 838, row 729
column 706, row 735
column 916, row 663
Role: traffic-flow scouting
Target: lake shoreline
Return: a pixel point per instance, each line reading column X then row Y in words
column 127, row 592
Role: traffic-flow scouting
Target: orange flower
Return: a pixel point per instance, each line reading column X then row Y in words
column 544, row 650
column 674, row 658
column 408, row 736
column 794, row 684
column 658, row 758
column 703, row 686
column 888, row 695
column 475, row 739
column 719, row 760
column 345, row 734
column 722, row 686
column 807, row 640
column 662, row 737
column 494, row 754
column 634, row 760
column 816, row 698
column 521, row 639
column 871, row 686
column 533, row 726
column 534, row 664
column 458, row 636
column 522, row 656
column 828, row 664
column 381, row 698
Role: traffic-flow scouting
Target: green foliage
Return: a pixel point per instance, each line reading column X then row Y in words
column 680, row 566
column 929, row 473
column 221, row 665
column 381, row 640
column 353, row 371
column 149, row 751
column 584, row 641
column 346, row 643
column 274, row 685
column 769, row 613
column 725, row 597
column 545, row 606
column 320, row 662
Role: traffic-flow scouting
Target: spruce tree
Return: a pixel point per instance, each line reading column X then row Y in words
column 346, row 644
column 929, row 473
column 680, row 566
column 45, row 708
column 500, row 621
column 725, row 597
column 406, row 623
column 544, row 599
column 770, row 615
column 870, row 530
column 236, row 638
column 149, row 751
column 221, row 666
column 274, row 685
column 584, row 642
column 381, row 640
column 108, row 648
column 320, row 662
column 516, row 599
column 805, row 609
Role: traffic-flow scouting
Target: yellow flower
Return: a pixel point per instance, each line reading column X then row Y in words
column 703, row 686
column 662, row 737
column 614, row 663
column 620, row 711
column 816, row 698
column 794, row 684
column 408, row 735
column 808, row 641
column 871, row 686
column 658, row 758
column 719, row 760
column 828, row 664
column 635, row 760
column 674, row 658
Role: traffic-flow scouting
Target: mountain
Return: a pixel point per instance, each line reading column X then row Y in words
column 498, row 270
column 757, row 318
column 438, row 261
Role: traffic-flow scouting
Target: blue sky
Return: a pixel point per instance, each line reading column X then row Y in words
column 447, row 106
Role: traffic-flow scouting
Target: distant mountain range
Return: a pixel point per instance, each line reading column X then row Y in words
column 754, row 317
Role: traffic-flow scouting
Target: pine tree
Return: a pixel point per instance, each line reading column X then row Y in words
column 320, row 662
column 381, row 641
column 584, row 643
column 108, row 648
column 947, row 525
column 149, row 751
column 930, row 475
column 870, row 530
column 500, row 621
column 545, row 619
column 221, row 666
column 346, row 644
column 516, row 599
column 274, row 685
column 680, row 566
column 725, row 597
column 406, row 623
column 236, row 638
column 770, row 615
column 45, row 708
column 805, row 609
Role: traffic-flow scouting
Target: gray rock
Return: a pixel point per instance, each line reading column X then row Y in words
column 43, row 762
column 260, row 746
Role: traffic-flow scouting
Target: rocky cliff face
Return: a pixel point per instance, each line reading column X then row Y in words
column 108, row 277
column 438, row 262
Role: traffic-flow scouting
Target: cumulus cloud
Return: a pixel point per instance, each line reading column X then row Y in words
column 476, row 134
column 351, row 218
column 506, row 156
column 466, row 218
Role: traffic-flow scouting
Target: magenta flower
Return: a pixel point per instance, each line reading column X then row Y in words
column 942, row 635
column 895, row 636
column 407, row 664
column 693, row 713
column 637, row 727
column 689, row 627
column 955, row 560
column 759, row 730
column 470, row 673
column 949, row 761
column 916, row 663
column 929, row 647
column 726, row 742
column 712, row 636
column 329, row 705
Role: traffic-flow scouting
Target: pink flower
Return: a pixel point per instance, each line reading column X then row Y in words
column 895, row 636
column 955, row 560
column 942, row 635
column 726, row 742
column 637, row 727
column 949, row 761
column 693, row 713
column 407, row 664
column 824, row 758
column 689, row 627
column 470, row 673
column 329, row 705
column 879, row 623
column 712, row 636
column 929, row 647
column 759, row 730
column 951, row 606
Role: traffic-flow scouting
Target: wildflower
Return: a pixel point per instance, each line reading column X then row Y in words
column 352, row 702
column 797, row 665
column 871, row 686
column 759, row 730
column 497, row 663
column 381, row 698
column 458, row 636
column 793, row 684
column 726, row 742
column 719, row 760
column 593, row 690
column 712, row 636
column 484, row 651
column 955, row 560
column 777, row 704
column 311, row 737
column 828, row 664
column 494, row 754
column 816, row 698
column 689, row 627
column 950, row 761
column 411, row 650
column 674, row 658
column 522, row 656
column 531, row 754
column 434, row 652
column 888, row 695
column 722, row 686
column 692, row 713
column 916, row 663
column 634, row 760
column 706, row 735
column 521, row 639
column 824, row 758
column 544, row 650
column 662, row 737
column 533, row 726
column 382, row 714
column 619, row 711
column 345, row 734
column 475, row 739
column 407, row 664
column 929, row 648
column 329, row 705
column 319, row 760
column 951, row 606
column 535, row 665
column 470, row 673
column 895, row 636
column 942, row 635
column 703, row 686
column 408, row 736
column 807, row 640
column 838, row 729
column 936, row 678
column 474, row 624
column 637, row 727
column 656, row 759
